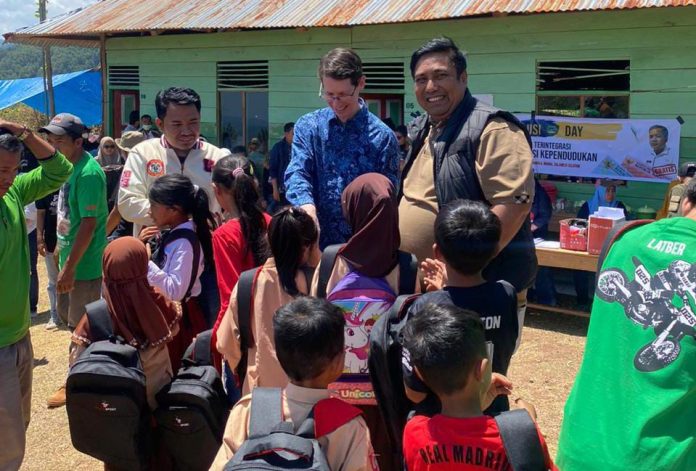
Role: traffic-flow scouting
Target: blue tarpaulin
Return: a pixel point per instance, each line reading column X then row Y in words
column 78, row 93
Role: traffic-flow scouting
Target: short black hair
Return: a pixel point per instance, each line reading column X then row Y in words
column 239, row 150
column 690, row 193
column 467, row 233
column 401, row 129
column 146, row 116
column 445, row 343
column 288, row 127
column 664, row 130
column 308, row 334
column 10, row 143
column 134, row 117
column 442, row 44
column 340, row 64
column 177, row 96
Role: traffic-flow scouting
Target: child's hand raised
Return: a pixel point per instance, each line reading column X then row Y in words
column 499, row 385
column 434, row 274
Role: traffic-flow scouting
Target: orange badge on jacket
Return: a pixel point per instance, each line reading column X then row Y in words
column 155, row 168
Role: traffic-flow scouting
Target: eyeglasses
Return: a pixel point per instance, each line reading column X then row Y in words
column 329, row 97
column 109, row 146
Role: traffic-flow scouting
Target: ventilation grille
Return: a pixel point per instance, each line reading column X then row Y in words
column 242, row 74
column 124, row 76
column 384, row 76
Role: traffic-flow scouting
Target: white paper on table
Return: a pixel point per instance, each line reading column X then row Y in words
column 548, row 244
column 609, row 213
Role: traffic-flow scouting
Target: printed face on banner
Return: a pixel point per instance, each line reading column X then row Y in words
column 626, row 149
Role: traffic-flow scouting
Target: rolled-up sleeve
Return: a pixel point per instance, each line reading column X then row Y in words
column 504, row 164
column 300, row 172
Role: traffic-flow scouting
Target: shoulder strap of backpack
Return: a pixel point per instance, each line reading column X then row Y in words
column 308, row 273
column 100, row 326
column 408, row 272
column 617, row 231
column 245, row 299
column 328, row 260
column 245, row 294
column 521, row 440
column 192, row 237
column 266, row 411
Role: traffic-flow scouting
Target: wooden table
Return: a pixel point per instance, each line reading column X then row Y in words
column 571, row 259
column 561, row 258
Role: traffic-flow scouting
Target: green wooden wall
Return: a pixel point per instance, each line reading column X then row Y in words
column 502, row 54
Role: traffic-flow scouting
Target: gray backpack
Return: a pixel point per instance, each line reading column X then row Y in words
column 273, row 444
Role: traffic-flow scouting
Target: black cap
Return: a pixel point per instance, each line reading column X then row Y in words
column 64, row 123
column 687, row 169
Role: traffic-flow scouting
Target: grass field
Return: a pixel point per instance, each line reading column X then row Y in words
column 542, row 372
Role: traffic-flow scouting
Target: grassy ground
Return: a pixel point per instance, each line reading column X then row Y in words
column 542, row 371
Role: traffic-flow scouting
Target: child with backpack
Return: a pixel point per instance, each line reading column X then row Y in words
column 447, row 346
column 370, row 207
column 292, row 235
column 183, row 248
column 308, row 334
column 241, row 243
column 466, row 239
column 139, row 313
column 364, row 277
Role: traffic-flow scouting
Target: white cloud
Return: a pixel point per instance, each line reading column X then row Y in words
column 16, row 14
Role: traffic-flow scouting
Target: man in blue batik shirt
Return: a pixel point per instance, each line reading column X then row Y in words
column 333, row 146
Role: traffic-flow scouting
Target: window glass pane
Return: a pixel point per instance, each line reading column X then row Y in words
column 257, row 118
column 559, row 106
column 231, row 128
column 614, row 107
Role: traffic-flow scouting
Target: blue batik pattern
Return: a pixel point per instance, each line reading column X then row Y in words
column 327, row 155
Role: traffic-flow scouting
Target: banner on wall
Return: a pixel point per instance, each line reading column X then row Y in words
column 626, row 149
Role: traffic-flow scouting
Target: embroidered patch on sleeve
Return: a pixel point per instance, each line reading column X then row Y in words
column 155, row 168
column 125, row 178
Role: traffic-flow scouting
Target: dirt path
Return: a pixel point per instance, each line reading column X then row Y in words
column 542, row 371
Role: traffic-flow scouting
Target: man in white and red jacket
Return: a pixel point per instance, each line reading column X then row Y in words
column 179, row 150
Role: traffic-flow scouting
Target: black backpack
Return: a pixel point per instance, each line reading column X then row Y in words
column 273, row 443
column 107, row 407
column 517, row 430
column 192, row 409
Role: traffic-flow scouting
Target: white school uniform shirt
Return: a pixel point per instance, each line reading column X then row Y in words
column 173, row 279
column 153, row 158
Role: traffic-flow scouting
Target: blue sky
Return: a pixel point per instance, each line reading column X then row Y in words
column 16, row 14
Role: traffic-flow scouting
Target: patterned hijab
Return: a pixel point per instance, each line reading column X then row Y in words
column 370, row 207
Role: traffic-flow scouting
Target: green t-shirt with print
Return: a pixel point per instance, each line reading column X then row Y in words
column 83, row 196
column 633, row 405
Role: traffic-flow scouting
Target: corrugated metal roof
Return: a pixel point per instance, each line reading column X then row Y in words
column 112, row 17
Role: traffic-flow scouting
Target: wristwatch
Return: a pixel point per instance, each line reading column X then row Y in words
column 24, row 134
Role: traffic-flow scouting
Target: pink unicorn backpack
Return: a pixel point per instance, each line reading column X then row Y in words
column 363, row 300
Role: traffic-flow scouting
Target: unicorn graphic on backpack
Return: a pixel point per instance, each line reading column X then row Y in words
column 357, row 341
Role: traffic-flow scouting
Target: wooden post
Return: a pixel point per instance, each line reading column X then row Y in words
column 105, row 85
column 47, row 68
column 49, row 82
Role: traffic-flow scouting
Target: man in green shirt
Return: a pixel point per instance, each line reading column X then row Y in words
column 81, row 228
column 16, row 354
column 633, row 405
